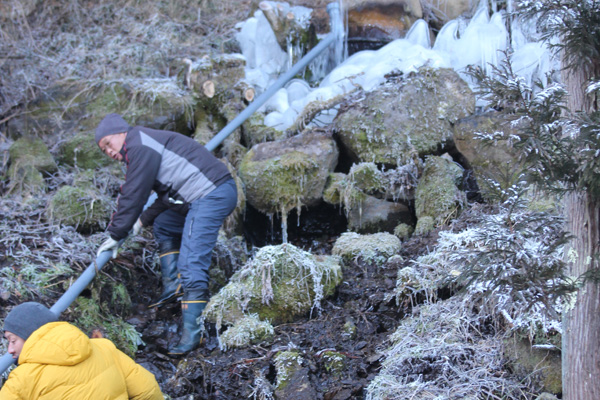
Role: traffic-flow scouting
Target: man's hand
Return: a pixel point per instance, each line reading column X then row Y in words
column 137, row 227
column 109, row 244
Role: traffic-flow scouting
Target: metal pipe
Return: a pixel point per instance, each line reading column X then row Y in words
column 68, row 297
column 334, row 15
column 88, row 275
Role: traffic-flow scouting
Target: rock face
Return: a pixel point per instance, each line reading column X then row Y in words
column 287, row 174
column 405, row 117
column 438, row 195
column 493, row 159
column 279, row 284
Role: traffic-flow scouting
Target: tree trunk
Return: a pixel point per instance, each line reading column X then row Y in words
column 581, row 319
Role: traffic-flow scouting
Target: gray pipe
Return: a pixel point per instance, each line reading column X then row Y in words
column 88, row 275
column 334, row 15
column 68, row 297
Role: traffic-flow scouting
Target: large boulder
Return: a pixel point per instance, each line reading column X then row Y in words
column 485, row 142
column 405, row 117
column 438, row 193
column 287, row 174
column 280, row 284
column 30, row 161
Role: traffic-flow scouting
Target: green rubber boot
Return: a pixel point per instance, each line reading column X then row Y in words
column 171, row 286
column 192, row 305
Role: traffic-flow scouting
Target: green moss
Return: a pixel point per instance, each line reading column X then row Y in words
column 334, row 362
column 372, row 248
column 286, row 364
column 438, row 194
column 425, row 225
column 32, row 151
column 25, row 179
column 81, row 207
column 255, row 131
column 83, row 152
column 403, row 231
column 246, row 331
column 279, row 284
column 286, row 183
column 367, row 177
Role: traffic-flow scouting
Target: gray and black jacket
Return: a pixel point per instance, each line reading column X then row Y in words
column 176, row 167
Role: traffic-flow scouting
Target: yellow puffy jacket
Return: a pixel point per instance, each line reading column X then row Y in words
column 58, row 361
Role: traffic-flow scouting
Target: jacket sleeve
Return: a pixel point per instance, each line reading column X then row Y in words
column 14, row 388
column 143, row 164
column 141, row 383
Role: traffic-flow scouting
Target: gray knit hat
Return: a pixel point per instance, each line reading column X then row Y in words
column 111, row 124
column 26, row 318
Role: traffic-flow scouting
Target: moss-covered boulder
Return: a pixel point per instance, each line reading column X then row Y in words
column 279, row 176
column 82, row 151
column 30, row 161
column 246, row 331
column 438, row 194
column 405, row 117
column 373, row 248
column 32, row 151
column 82, row 206
column 280, row 284
column 374, row 215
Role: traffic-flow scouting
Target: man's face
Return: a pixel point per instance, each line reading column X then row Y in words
column 111, row 145
column 15, row 344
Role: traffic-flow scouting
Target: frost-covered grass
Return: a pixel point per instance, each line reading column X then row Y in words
column 441, row 353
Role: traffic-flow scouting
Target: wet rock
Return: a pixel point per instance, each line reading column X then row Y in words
column 438, row 194
column 292, row 377
column 405, row 118
column 280, row 284
column 374, row 248
column 287, row 174
column 492, row 160
column 374, row 215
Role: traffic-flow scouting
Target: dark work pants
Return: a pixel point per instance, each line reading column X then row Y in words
column 198, row 232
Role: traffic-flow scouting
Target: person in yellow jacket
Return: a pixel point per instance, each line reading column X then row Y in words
column 56, row 360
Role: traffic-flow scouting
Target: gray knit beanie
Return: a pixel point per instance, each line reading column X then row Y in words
column 111, row 124
column 25, row 318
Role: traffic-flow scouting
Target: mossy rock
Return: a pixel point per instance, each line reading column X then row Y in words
column 83, row 207
column 495, row 163
column 255, row 131
column 25, row 179
column 280, row 284
column 373, row 248
column 334, row 362
column 340, row 190
column 287, row 363
column 366, row 177
column 405, row 118
column 403, row 231
column 279, row 176
column 32, row 151
column 292, row 377
column 425, row 225
column 246, row 331
column 82, row 151
column 438, row 194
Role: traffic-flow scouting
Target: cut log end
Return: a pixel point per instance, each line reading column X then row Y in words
column 249, row 94
column 208, row 88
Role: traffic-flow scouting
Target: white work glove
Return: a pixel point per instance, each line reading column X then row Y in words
column 109, row 244
column 137, row 227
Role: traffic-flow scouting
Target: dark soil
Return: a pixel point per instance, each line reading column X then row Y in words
column 209, row 373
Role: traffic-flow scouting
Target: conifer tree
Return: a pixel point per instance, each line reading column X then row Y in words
column 559, row 138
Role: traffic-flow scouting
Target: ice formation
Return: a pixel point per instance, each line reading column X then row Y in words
column 481, row 41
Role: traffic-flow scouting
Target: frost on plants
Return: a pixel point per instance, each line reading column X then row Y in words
column 440, row 353
column 280, row 284
column 245, row 332
column 373, row 248
column 513, row 258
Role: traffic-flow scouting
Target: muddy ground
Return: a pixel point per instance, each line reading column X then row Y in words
column 209, row 373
